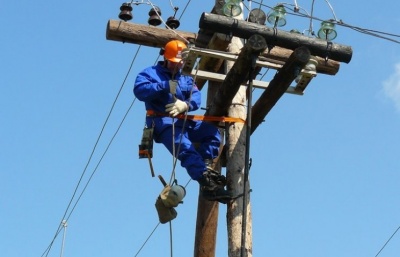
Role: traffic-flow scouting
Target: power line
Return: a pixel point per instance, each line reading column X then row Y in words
column 370, row 32
column 46, row 252
column 387, row 241
column 147, row 239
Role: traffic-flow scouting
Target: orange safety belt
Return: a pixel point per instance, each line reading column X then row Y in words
column 197, row 117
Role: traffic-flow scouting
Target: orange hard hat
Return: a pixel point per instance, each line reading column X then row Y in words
column 173, row 50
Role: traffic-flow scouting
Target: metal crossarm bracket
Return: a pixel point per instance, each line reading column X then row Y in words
column 194, row 52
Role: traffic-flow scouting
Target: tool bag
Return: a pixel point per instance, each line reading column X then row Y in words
column 146, row 144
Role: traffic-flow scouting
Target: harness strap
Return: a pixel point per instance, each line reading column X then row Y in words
column 197, row 117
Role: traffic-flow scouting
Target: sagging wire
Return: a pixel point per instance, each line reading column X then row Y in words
column 184, row 9
column 370, row 32
column 390, row 238
column 104, row 153
column 65, row 217
column 91, row 176
column 147, row 239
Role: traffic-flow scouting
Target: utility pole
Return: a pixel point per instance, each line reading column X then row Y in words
column 288, row 53
column 236, row 143
column 235, row 165
column 207, row 211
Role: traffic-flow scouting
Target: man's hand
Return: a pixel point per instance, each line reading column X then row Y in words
column 177, row 107
column 172, row 86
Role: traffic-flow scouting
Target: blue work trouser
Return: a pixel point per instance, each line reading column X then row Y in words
column 206, row 134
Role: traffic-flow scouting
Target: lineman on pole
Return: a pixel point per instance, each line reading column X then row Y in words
column 168, row 96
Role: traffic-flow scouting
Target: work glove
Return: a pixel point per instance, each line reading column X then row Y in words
column 172, row 86
column 176, row 107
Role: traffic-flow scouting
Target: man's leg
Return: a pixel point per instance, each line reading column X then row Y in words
column 209, row 138
column 190, row 159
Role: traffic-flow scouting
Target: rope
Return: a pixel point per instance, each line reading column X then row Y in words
column 184, row 117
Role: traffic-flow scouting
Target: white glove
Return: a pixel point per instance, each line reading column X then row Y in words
column 172, row 86
column 177, row 107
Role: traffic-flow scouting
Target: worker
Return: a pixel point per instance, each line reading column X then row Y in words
column 167, row 94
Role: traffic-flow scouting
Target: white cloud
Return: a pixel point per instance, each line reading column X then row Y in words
column 391, row 87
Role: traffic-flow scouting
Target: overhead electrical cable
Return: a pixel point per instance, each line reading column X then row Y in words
column 390, row 238
column 370, row 32
column 184, row 9
column 46, row 252
column 104, row 153
column 147, row 239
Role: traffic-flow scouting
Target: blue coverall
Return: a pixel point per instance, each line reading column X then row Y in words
column 152, row 87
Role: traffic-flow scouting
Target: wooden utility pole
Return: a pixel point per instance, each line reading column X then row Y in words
column 287, row 52
column 235, row 166
column 207, row 211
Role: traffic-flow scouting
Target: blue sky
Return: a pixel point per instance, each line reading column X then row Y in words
column 325, row 173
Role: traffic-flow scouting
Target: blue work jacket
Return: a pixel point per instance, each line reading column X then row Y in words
column 152, row 87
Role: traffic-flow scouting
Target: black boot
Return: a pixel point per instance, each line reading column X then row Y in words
column 212, row 187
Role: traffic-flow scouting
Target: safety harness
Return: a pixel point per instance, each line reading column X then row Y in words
column 151, row 113
column 146, row 146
